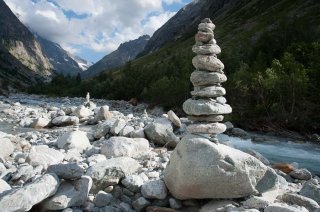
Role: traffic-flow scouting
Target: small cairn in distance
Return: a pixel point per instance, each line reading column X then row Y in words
column 207, row 105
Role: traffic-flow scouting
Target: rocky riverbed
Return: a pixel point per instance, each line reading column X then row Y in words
column 82, row 154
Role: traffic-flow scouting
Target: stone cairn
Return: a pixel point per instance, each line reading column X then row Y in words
column 207, row 105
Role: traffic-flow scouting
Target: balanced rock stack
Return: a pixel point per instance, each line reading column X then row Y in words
column 207, row 103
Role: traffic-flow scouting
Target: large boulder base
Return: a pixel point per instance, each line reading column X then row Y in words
column 200, row 169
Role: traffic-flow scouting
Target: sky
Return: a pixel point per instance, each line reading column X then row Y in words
column 92, row 29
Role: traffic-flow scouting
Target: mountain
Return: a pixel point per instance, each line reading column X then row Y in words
column 61, row 61
column 21, row 43
column 82, row 63
column 185, row 21
column 127, row 51
column 15, row 75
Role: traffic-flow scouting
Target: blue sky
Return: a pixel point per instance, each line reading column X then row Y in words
column 93, row 28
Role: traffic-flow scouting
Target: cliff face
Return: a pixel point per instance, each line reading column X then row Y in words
column 21, row 43
column 59, row 58
column 127, row 51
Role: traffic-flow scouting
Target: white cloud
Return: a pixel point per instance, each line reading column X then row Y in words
column 172, row 1
column 104, row 26
column 48, row 14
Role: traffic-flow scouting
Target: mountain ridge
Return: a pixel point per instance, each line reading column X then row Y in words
column 126, row 51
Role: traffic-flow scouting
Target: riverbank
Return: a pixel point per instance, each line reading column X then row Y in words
column 115, row 155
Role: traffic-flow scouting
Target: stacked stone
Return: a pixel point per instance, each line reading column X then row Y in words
column 207, row 106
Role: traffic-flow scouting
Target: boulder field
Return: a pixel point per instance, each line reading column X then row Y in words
column 133, row 159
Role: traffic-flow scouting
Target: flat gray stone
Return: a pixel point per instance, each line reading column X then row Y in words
column 206, row 27
column 67, row 171
column 204, row 36
column 301, row 174
column 208, row 63
column 205, row 107
column 154, row 190
column 69, row 194
column 161, row 132
column 204, row 118
column 282, row 207
column 204, row 78
column 311, row 189
column 102, row 199
column 140, row 204
column 206, row 49
column 211, row 91
column 210, row 128
column 296, row 199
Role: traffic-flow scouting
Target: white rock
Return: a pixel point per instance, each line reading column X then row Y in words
column 103, row 113
column 96, row 158
column 122, row 146
column 82, row 112
column 256, row 202
column 218, row 171
column 210, row 128
column 118, row 126
column 22, row 199
column 65, row 121
column 4, row 186
column 74, row 140
column 7, row 147
column 174, row 118
column 40, row 123
column 44, row 156
column 205, row 107
column 126, row 131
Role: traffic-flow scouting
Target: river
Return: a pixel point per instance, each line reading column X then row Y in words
column 307, row 155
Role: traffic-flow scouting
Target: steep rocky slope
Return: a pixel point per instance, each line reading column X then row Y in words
column 59, row 58
column 127, row 51
column 21, row 43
